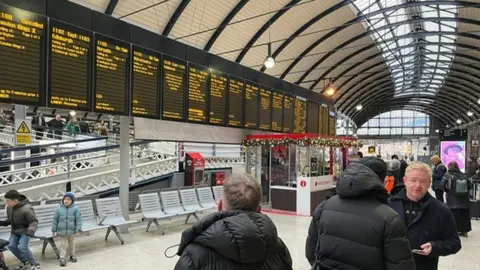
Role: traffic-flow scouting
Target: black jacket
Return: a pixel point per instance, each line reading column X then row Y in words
column 21, row 217
column 437, row 176
column 403, row 168
column 455, row 200
column 233, row 240
column 356, row 229
column 434, row 224
column 472, row 168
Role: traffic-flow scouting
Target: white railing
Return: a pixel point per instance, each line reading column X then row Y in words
column 91, row 184
column 222, row 162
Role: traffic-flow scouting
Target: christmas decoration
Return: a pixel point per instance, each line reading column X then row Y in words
column 303, row 140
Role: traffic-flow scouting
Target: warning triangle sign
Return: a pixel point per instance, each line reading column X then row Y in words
column 23, row 128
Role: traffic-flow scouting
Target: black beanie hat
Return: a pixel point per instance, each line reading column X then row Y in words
column 377, row 165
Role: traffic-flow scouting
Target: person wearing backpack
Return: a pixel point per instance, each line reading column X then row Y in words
column 457, row 186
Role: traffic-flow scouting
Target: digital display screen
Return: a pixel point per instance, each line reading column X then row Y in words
column 312, row 117
column 300, row 123
column 332, row 126
column 265, row 109
column 277, row 111
column 111, row 76
column 236, row 89
column 453, row 151
column 197, row 94
column 174, row 82
column 251, row 105
column 218, row 97
column 70, row 64
column 288, row 113
column 22, row 56
column 145, row 82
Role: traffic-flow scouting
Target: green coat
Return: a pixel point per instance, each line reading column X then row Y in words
column 67, row 220
column 73, row 128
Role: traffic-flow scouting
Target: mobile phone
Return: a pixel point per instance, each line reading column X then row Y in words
column 418, row 251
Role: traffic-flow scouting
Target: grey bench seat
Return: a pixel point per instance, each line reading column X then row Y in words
column 110, row 214
column 4, row 231
column 173, row 206
column 205, row 197
column 45, row 215
column 152, row 209
column 89, row 219
column 218, row 192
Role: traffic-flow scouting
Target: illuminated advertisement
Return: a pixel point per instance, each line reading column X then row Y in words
column 453, row 151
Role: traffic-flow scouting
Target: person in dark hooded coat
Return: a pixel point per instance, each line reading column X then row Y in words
column 240, row 237
column 356, row 229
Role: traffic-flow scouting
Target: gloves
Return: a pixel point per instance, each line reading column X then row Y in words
column 30, row 233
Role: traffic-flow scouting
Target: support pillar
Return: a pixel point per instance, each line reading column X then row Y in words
column 124, row 168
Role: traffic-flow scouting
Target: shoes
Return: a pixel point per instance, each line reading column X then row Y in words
column 34, row 267
column 28, row 266
column 63, row 262
column 73, row 259
column 21, row 266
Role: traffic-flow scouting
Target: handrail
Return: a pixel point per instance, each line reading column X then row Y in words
column 34, row 146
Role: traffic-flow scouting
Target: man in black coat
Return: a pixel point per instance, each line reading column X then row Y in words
column 356, row 229
column 403, row 167
column 237, row 238
column 430, row 225
column 437, row 175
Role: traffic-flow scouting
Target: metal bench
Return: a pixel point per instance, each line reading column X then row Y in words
column 152, row 210
column 133, row 201
column 205, row 197
column 4, row 231
column 218, row 192
column 190, row 200
column 110, row 214
column 172, row 206
column 45, row 215
column 89, row 219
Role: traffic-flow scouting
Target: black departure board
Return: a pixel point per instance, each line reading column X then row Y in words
column 111, row 75
column 312, row 117
column 174, row 83
column 70, row 51
column 277, row 111
column 236, row 89
column 288, row 113
column 300, row 122
column 265, row 113
column 218, row 97
column 145, row 83
column 251, row 105
column 22, row 56
column 197, row 94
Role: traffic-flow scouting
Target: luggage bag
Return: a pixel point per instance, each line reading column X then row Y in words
column 474, row 201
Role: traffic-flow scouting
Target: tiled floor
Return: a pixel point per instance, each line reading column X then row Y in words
column 146, row 250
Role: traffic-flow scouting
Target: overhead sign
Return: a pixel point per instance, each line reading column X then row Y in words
column 371, row 150
column 23, row 132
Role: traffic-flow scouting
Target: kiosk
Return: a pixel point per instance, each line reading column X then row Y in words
column 194, row 169
column 298, row 170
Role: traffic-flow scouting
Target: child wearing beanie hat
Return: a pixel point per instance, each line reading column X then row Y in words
column 67, row 223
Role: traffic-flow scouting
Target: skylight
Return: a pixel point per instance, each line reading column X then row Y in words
column 418, row 51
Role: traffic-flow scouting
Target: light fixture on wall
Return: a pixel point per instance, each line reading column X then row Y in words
column 269, row 61
column 359, row 107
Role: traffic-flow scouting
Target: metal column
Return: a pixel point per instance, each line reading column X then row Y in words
column 20, row 115
column 124, row 167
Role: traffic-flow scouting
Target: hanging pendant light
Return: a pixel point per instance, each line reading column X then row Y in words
column 330, row 90
column 269, row 61
column 359, row 107
column 470, row 113
column 459, row 121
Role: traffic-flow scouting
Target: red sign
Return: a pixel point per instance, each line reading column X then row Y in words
column 303, row 183
column 220, row 178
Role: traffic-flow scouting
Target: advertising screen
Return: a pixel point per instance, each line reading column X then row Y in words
column 453, row 151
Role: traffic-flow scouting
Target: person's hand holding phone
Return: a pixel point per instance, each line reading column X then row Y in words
column 425, row 250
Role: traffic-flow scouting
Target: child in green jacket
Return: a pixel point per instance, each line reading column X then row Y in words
column 67, row 222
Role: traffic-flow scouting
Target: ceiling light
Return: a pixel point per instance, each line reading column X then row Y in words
column 459, row 121
column 447, row 126
column 330, row 91
column 437, row 131
column 269, row 61
column 359, row 107
column 470, row 113
column 478, row 101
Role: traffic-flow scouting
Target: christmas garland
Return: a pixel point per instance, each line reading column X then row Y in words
column 307, row 141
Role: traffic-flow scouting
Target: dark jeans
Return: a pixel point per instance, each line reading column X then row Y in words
column 19, row 247
column 439, row 195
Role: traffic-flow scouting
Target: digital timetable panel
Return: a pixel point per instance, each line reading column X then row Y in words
column 174, row 83
column 236, row 89
column 277, row 111
column 145, row 83
column 218, row 97
column 22, row 56
column 312, row 117
column 197, row 94
column 111, row 75
column 300, row 122
column 251, row 105
column 288, row 113
column 265, row 113
column 70, row 52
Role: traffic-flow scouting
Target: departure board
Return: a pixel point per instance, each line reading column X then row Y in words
column 174, row 82
column 288, row 113
column 111, row 76
column 277, row 111
column 251, row 105
column 323, row 120
column 218, row 97
column 22, row 56
column 312, row 117
column 197, row 94
column 265, row 109
column 70, row 54
column 236, row 89
column 145, row 83
column 300, row 122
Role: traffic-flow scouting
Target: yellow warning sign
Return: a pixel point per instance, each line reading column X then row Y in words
column 23, row 128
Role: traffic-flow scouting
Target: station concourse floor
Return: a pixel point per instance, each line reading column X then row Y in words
column 144, row 250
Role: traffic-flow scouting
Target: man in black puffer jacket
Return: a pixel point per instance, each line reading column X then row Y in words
column 238, row 238
column 356, row 229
